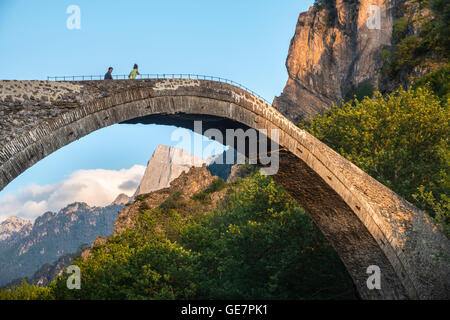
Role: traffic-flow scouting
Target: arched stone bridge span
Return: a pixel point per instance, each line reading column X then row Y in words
column 366, row 222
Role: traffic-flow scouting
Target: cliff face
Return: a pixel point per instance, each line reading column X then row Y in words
column 336, row 47
column 165, row 165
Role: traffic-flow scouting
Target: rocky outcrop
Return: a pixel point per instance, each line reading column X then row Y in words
column 121, row 199
column 165, row 165
column 336, row 47
column 188, row 183
column 51, row 236
column 12, row 226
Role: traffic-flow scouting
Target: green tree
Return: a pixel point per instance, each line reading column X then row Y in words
column 258, row 243
column 261, row 245
column 428, row 48
column 26, row 292
column 401, row 140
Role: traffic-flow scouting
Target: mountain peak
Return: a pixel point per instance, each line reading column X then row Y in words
column 75, row 206
column 166, row 164
column 14, row 219
column 178, row 156
column 13, row 225
column 121, row 199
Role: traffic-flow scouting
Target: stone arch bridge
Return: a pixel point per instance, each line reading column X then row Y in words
column 367, row 223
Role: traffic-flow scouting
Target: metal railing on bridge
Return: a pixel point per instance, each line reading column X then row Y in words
column 160, row 76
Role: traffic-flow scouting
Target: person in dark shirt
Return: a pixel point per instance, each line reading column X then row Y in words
column 108, row 75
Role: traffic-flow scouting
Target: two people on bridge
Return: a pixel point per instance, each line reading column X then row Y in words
column 132, row 75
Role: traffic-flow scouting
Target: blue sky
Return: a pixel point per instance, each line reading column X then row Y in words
column 246, row 41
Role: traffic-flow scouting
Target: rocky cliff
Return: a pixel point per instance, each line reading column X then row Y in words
column 336, row 48
column 165, row 165
column 188, row 183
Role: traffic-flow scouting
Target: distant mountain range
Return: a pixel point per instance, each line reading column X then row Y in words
column 37, row 251
column 27, row 246
column 47, row 272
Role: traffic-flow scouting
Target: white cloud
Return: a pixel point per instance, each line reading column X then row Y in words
column 97, row 187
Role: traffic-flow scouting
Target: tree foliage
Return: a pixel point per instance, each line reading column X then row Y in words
column 26, row 292
column 261, row 245
column 257, row 244
column 401, row 140
column 427, row 47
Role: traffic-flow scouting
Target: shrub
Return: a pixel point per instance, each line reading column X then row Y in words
column 439, row 82
column 215, row 186
column 201, row 196
column 26, row 292
column 143, row 207
column 172, row 202
column 400, row 28
column 142, row 197
column 364, row 89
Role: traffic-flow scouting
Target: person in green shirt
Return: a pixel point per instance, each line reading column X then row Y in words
column 134, row 72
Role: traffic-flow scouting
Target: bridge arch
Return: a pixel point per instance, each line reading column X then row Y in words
column 367, row 223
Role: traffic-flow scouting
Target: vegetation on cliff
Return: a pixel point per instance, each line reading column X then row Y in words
column 421, row 44
column 400, row 139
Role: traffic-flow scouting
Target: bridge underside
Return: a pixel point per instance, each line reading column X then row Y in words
column 367, row 223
